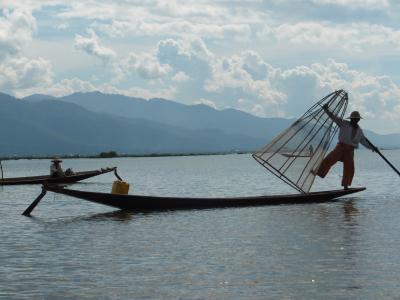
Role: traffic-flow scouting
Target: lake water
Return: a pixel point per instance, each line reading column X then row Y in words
column 71, row 249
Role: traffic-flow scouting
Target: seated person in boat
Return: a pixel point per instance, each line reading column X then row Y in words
column 350, row 135
column 55, row 168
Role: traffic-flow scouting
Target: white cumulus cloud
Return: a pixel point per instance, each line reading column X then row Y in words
column 173, row 28
column 21, row 72
column 366, row 4
column 147, row 66
column 191, row 57
column 16, row 29
column 91, row 45
column 207, row 102
column 361, row 37
column 180, row 77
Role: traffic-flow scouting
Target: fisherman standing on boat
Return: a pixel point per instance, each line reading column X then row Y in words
column 55, row 168
column 350, row 135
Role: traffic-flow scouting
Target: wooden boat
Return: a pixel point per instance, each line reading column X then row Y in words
column 151, row 203
column 78, row 176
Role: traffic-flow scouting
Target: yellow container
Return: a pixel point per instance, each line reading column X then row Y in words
column 120, row 187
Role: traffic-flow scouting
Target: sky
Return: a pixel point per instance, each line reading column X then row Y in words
column 271, row 58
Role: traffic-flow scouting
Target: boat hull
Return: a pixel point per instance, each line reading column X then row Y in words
column 151, row 203
column 78, row 176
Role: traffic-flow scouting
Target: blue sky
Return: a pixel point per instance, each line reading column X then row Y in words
column 269, row 58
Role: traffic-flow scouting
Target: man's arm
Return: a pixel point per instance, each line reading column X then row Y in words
column 335, row 119
column 366, row 144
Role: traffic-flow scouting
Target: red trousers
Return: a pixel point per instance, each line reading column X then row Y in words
column 344, row 153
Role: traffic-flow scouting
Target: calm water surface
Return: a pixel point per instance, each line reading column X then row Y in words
column 72, row 249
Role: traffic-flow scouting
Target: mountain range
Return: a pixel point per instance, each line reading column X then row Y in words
column 88, row 123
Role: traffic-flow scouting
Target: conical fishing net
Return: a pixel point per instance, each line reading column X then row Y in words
column 296, row 153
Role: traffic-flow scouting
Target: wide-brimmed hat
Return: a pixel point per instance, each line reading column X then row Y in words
column 355, row 115
column 56, row 159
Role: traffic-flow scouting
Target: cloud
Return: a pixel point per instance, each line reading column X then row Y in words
column 29, row 5
column 254, row 65
column 353, row 4
column 245, row 82
column 188, row 59
column 174, row 28
column 17, row 71
column 359, row 37
column 62, row 88
column 94, row 9
column 206, row 102
column 147, row 66
column 165, row 93
column 74, row 85
column 91, row 45
column 376, row 97
column 21, row 73
column 134, row 9
column 16, row 29
column 191, row 57
column 180, row 77
column 62, row 26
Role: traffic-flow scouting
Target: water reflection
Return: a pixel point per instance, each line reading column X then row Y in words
column 350, row 210
column 351, row 247
column 113, row 216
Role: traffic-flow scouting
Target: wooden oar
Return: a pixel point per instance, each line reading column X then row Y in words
column 384, row 158
column 31, row 207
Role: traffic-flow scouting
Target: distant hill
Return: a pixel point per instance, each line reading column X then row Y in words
column 48, row 127
column 200, row 116
column 38, row 98
column 89, row 123
column 387, row 141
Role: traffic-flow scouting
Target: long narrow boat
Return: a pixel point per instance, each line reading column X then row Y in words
column 78, row 176
column 151, row 203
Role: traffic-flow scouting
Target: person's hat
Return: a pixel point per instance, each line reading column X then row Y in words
column 355, row 115
column 56, row 159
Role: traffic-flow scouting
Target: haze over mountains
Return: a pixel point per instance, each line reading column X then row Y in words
column 89, row 123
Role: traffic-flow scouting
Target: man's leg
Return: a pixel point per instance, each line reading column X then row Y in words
column 332, row 158
column 348, row 168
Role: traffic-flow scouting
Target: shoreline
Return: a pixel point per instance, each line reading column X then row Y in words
column 113, row 154
column 77, row 156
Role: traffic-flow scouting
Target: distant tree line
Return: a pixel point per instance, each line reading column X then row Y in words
column 111, row 154
column 108, row 154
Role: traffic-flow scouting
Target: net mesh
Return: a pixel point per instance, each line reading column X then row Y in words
column 296, row 153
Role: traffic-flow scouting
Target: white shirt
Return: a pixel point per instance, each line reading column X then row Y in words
column 56, row 170
column 350, row 135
